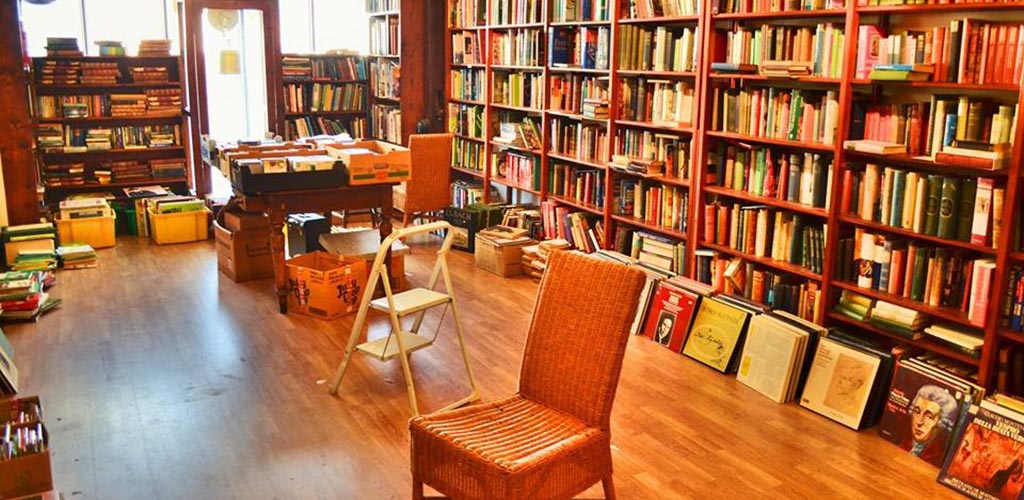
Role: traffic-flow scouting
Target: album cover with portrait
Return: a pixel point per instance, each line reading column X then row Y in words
column 840, row 383
column 922, row 410
column 987, row 458
column 669, row 316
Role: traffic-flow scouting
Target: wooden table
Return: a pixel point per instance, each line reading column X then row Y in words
column 277, row 205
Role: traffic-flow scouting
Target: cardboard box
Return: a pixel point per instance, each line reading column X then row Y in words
column 244, row 255
column 10, row 406
column 235, row 221
column 310, row 163
column 325, row 286
column 28, row 474
column 97, row 232
column 363, row 244
column 503, row 260
column 373, row 162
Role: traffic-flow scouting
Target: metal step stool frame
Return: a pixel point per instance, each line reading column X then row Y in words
column 379, row 272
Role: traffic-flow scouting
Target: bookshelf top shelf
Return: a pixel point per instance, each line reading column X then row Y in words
column 562, row 24
column 924, row 163
column 116, row 185
column 660, row 20
column 132, row 59
column 933, row 8
column 789, row 14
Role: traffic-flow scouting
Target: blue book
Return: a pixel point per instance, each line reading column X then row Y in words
column 560, row 42
column 950, row 134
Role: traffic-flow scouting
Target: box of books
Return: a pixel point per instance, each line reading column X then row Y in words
column 243, row 255
column 25, row 460
column 499, row 250
column 178, row 227
column 373, row 162
column 325, row 286
column 97, row 232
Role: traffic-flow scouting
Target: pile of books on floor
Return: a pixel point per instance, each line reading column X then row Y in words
column 62, row 47
column 154, row 48
column 535, row 257
column 77, row 256
column 35, row 260
column 110, row 48
column 150, row 74
column 296, row 68
column 100, row 73
column 23, row 295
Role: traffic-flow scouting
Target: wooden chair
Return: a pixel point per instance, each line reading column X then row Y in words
column 551, row 440
column 429, row 190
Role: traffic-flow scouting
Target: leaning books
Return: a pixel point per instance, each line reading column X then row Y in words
column 716, row 335
column 774, row 354
column 986, row 459
column 671, row 310
column 841, row 383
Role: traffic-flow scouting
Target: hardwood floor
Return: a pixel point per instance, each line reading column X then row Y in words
column 162, row 379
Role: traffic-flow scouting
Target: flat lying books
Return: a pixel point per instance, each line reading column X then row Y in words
column 842, row 383
column 716, row 335
column 77, row 256
column 775, row 353
column 924, row 407
column 984, row 461
column 875, row 147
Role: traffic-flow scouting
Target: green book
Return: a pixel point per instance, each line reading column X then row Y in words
column 931, row 220
column 920, row 274
column 899, row 182
column 948, row 206
column 965, row 219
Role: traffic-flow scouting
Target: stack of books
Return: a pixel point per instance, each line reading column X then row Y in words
column 957, row 337
column 77, row 256
column 110, row 48
column 150, row 74
column 100, row 73
column 23, row 295
column 84, row 208
column 535, row 257
column 62, row 47
column 296, row 68
column 898, row 319
column 154, row 48
column 65, row 174
column 128, row 105
column 168, row 169
column 35, row 260
column 28, row 237
column 50, row 136
column 163, row 101
column 902, row 72
column 127, row 171
column 59, row 72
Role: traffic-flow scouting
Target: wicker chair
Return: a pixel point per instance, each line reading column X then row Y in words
column 429, row 190
column 552, row 439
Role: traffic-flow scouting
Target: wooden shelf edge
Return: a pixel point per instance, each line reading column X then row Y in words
column 857, row 221
column 945, row 313
column 633, row 221
column 766, row 261
column 576, row 204
column 922, row 343
column 772, row 202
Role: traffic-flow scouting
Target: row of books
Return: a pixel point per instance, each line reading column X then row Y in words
column 154, row 102
column 99, row 73
column 465, row 193
column 79, row 174
column 658, row 255
column 661, row 102
column 339, row 67
column 580, row 184
column 646, row 9
column 579, row 140
column 1013, row 304
column 789, row 50
column 787, row 114
column 935, row 276
column 52, row 72
column 518, row 47
column 659, row 154
column 579, row 47
column 802, row 178
column 466, row 120
column 734, row 275
column 757, row 6
column 309, row 126
column 67, row 139
column 384, row 39
column 567, row 11
column 760, row 231
column 385, row 79
column 469, row 85
column 524, row 90
column 655, row 204
column 467, row 13
column 517, row 11
column 386, row 123
column 468, row 155
column 516, row 169
column 583, row 231
column 569, row 91
column 466, row 48
column 302, row 98
column 659, row 49
column 965, row 51
column 965, row 209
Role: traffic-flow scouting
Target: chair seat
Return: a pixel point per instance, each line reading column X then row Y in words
column 512, row 433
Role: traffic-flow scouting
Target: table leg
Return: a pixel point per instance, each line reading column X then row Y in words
column 386, row 209
column 277, row 254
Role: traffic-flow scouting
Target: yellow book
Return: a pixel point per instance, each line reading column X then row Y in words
column 715, row 334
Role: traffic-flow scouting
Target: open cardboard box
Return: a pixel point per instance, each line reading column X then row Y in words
column 373, row 162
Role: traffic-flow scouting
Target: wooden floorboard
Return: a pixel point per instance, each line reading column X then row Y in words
column 162, row 379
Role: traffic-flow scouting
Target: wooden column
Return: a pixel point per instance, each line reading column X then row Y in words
column 19, row 167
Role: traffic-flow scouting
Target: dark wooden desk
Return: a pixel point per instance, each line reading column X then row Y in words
column 277, row 205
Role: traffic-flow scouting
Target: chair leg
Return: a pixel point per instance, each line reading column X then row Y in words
column 609, row 487
column 417, row 489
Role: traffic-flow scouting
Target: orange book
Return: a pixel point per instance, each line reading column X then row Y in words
column 710, row 221
column 896, row 271
column 1011, row 55
column 908, row 278
column 998, row 63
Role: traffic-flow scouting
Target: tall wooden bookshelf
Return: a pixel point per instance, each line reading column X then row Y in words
column 95, row 159
column 340, row 78
column 714, row 23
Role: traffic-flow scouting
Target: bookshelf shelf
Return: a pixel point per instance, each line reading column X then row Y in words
column 772, row 202
column 577, row 204
column 775, row 80
column 326, row 113
column 924, row 163
column 512, row 67
column 505, row 182
column 1011, row 335
column 95, row 88
column 468, row 65
column 1017, row 256
column 947, row 313
column 322, row 80
column 655, row 126
column 933, row 8
column 807, row 146
column 516, row 26
column 875, row 226
column 112, row 153
column 922, row 343
column 115, row 119
column 765, row 261
column 331, row 80
column 570, row 159
column 470, row 138
column 570, row 24
column 571, row 116
column 660, row 20
column 658, row 74
column 642, row 224
column 782, row 15
column 499, row 145
column 387, row 98
column 474, row 173
column 573, row 69
column 672, row 181
column 467, row 102
column 115, row 185
column 977, row 87
column 515, row 108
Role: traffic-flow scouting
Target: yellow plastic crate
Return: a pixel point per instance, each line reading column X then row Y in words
column 97, row 232
column 167, row 229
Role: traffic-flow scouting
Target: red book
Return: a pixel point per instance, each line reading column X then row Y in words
column 908, row 278
column 896, row 271
column 1019, row 66
column 846, row 195
column 668, row 319
column 1011, row 55
column 723, row 225
column 999, row 64
column 710, row 216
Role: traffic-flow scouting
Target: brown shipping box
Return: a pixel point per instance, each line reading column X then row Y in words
column 244, row 255
column 244, row 221
column 325, row 286
column 503, row 260
column 373, row 162
column 28, row 474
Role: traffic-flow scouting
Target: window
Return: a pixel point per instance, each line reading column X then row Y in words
column 317, row 26
column 95, row 20
column 296, row 26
